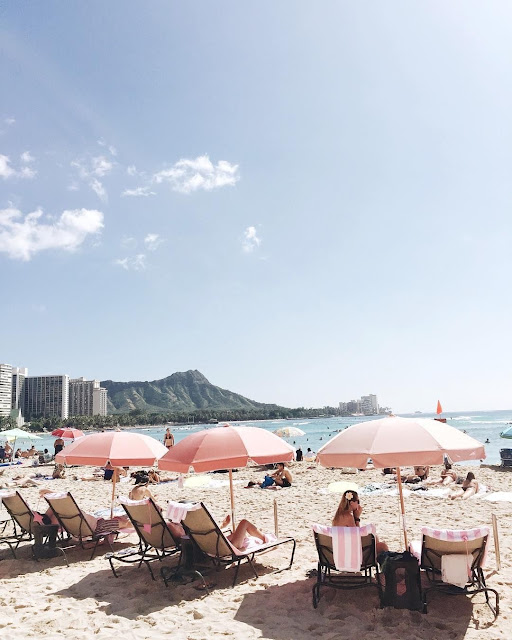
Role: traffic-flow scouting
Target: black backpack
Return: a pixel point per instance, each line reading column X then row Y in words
column 402, row 588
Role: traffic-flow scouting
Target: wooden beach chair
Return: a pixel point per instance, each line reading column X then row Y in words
column 80, row 527
column 355, row 564
column 469, row 545
column 20, row 526
column 206, row 534
column 156, row 539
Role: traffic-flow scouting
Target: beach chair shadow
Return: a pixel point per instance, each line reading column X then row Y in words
column 73, row 521
column 470, row 545
column 156, row 540
column 327, row 573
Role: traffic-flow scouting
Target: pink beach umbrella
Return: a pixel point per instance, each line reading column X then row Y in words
column 394, row 442
column 226, row 448
column 119, row 448
column 68, row 433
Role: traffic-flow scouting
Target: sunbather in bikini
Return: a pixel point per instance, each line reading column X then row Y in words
column 469, row 488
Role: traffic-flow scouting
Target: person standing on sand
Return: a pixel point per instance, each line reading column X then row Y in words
column 58, row 445
column 168, row 439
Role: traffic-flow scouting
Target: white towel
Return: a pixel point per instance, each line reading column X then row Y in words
column 177, row 511
column 455, row 568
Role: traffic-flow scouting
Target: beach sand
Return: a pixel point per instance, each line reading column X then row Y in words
column 48, row 599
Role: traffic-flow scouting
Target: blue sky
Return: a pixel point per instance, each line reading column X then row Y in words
column 305, row 201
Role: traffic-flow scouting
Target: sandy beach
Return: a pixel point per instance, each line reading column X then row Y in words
column 48, row 599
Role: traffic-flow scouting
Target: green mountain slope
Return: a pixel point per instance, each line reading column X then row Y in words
column 182, row 391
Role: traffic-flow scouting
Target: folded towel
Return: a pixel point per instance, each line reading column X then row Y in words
column 346, row 544
column 455, row 568
column 177, row 511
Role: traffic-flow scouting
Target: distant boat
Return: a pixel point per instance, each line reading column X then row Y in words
column 418, row 412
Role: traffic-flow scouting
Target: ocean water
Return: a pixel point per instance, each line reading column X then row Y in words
column 482, row 425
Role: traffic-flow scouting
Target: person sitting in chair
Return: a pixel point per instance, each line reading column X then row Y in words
column 348, row 514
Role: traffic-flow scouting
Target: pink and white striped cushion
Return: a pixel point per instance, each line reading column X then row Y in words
column 458, row 535
column 347, row 550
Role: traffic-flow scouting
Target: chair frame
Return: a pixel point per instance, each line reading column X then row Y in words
column 225, row 555
column 329, row 576
column 84, row 535
column 22, row 529
column 146, row 552
column 431, row 563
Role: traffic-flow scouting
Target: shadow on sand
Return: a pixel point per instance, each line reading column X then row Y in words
column 286, row 612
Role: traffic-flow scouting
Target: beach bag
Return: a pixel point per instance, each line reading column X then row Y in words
column 402, row 578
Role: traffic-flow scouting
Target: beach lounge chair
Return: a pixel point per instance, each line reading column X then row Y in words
column 206, row 534
column 19, row 528
column 87, row 531
column 156, row 540
column 453, row 561
column 346, row 558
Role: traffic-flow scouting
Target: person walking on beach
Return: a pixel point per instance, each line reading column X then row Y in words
column 168, row 439
column 58, row 445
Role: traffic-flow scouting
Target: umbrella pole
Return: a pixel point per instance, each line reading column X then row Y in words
column 114, row 478
column 232, row 496
column 402, row 507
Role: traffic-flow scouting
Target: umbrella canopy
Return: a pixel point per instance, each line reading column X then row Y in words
column 13, row 434
column 289, row 432
column 68, row 433
column 226, row 448
column 394, row 442
column 507, row 433
column 119, row 448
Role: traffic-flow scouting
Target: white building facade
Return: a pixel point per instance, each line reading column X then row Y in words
column 5, row 389
column 87, row 398
column 46, row 396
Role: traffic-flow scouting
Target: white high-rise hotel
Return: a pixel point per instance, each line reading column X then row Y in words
column 49, row 396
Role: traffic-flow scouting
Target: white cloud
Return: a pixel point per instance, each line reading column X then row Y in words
column 138, row 192
column 27, row 172
column 7, row 171
column 191, row 175
column 100, row 166
column 98, row 189
column 131, row 170
column 26, row 157
column 22, row 236
column 251, row 240
column 73, row 187
column 9, row 121
column 113, row 150
column 152, row 241
column 137, row 263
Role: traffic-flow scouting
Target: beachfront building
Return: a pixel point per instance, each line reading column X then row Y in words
column 87, row 398
column 369, row 405
column 5, row 389
column 46, row 396
column 18, row 386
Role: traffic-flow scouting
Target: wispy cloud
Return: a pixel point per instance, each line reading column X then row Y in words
column 8, row 171
column 132, row 170
column 135, row 263
column 26, row 157
column 250, row 240
column 139, row 192
column 91, row 169
column 22, row 236
column 128, row 242
column 9, row 121
column 187, row 176
column 112, row 150
column 153, row 241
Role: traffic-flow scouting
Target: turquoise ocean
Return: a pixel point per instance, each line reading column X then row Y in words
column 482, row 425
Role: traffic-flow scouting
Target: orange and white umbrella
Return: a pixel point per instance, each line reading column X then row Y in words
column 68, row 433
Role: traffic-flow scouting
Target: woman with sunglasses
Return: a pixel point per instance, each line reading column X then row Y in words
column 348, row 514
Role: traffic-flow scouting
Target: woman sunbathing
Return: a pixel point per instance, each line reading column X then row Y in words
column 469, row 488
column 348, row 514
column 239, row 537
column 448, row 476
